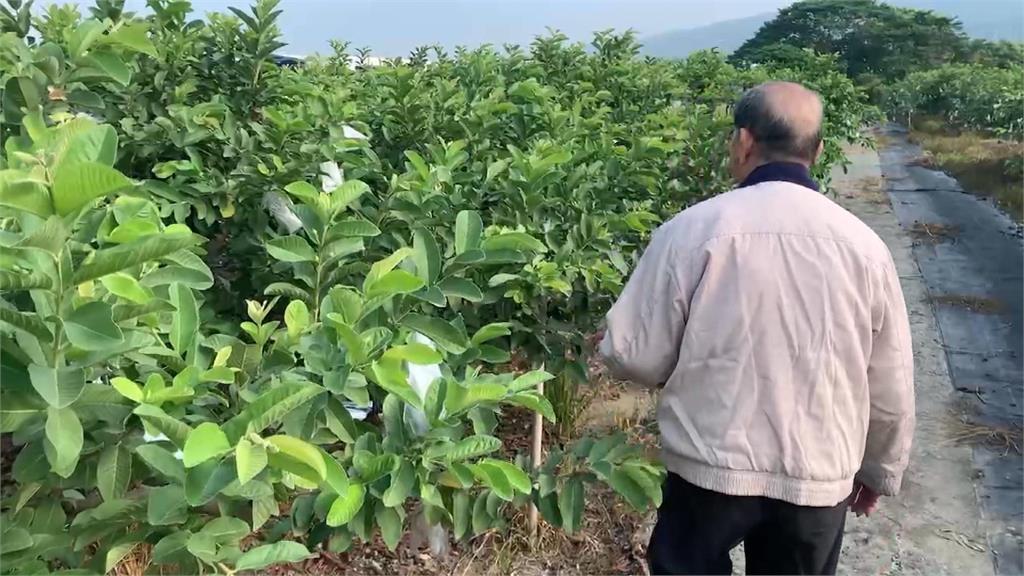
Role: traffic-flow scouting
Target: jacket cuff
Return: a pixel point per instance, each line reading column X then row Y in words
column 882, row 483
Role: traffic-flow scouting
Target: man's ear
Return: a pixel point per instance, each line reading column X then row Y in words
column 745, row 141
column 821, row 148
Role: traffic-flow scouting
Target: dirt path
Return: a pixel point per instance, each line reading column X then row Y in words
column 935, row 526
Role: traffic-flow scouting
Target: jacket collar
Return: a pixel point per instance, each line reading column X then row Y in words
column 792, row 172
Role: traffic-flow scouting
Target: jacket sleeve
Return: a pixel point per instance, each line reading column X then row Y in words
column 891, row 390
column 644, row 328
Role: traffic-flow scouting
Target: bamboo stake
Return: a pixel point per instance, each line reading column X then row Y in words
column 535, row 457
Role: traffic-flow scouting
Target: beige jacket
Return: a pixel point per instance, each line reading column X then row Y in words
column 775, row 321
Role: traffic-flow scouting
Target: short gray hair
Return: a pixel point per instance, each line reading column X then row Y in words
column 778, row 137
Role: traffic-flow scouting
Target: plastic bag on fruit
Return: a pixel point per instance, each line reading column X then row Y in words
column 420, row 378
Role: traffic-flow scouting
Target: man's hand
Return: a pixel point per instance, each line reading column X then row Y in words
column 864, row 501
column 594, row 340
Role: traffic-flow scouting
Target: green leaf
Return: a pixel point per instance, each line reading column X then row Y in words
column 166, row 506
column 127, row 287
column 417, row 161
column 291, row 249
column 290, row 290
column 28, row 322
column 296, row 317
column 519, row 480
column 570, row 504
column 336, row 477
column 516, row 241
column 462, row 514
column 390, row 376
column 225, row 530
column 461, row 288
column 372, row 466
column 464, row 397
column 175, row 430
column 298, row 457
column 112, row 65
column 250, row 460
column 75, row 185
column 390, row 526
column 495, row 479
column 426, row 255
column 118, row 552
column 352, row 227
column 465, row 449
column 346, row 505
column 133, row 36
column 64, row 440
column 340, row 422
column 170, row 548
column 60, row 387
column 124, row 256
column 18, row 190
column 184, row 324
column 162, row 461
column 481, row 519
column 114, row 471
column 15, row 539
column 281, row 552
column 529, row 381
column 468, row 228
column 303, row 191
column 443, row 333
column 204, row 442
column 91, row 327
column 269, row 409
column 347, row 193
column 83, row 36
column 415, row 353
column 534, row 402
column 382, row 267
column 402, row 481
column 628, row 488
column 206, row 480
column 393, row 283
column 12, row 281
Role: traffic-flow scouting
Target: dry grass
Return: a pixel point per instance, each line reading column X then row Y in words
column 976, row 160
column 977, row 304
column 934, row 232
column 1004, row 437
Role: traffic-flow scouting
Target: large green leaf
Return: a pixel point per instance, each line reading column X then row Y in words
column 206, row 480
column 461, row 288
column 468, row 228
column 298, row 457
column 390, row 524
column 204, row 442
column 382, row 267
column 426, row 255
column 282, row 552
column 444, row 334
column 346, row 505
column 132, row 35
column 64, row 440
column 162, row 461
column 114, row 471
column 519, row 480
column 111, row 65
column 391, row 377
column 465, row 449
column 290, row 249
column 176, row 430
column 464, row 397
column 269, row 409
column 570, row 504
column 19, row 190
column 127, row 287
column 514, row 241
column 347, row 193
column 94, row 144
column 250, row 460
column 11, row 281
column 91, row 327
column 166, row 506
column 494, row 478
column 75, row 185
column 402, row 481
column 172, row 548
column 26, row 321
column 18, row 409
column 185, row 323
column 124, row 256
column 462, row 514
column 393, row 283
column 534, row 402
column 58, row 386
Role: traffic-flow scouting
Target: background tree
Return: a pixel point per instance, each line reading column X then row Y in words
column 869, row 37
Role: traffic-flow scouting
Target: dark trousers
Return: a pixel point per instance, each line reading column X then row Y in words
column 697, row 528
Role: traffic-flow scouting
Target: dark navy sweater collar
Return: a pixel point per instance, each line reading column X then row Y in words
column 793, row 172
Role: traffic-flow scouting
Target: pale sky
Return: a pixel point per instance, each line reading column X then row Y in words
column 394, row 27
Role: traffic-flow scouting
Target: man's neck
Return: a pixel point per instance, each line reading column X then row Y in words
column 781, row 171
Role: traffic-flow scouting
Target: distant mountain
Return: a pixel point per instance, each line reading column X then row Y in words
column 989, row 19
column 726, row 36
